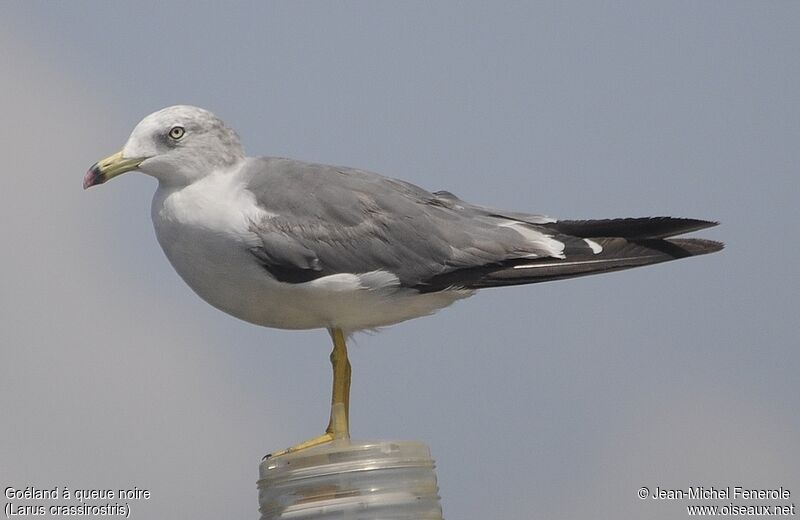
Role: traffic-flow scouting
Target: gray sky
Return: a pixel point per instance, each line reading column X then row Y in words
column 551, row 401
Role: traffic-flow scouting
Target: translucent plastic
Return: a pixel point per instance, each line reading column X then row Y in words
column 387, row 480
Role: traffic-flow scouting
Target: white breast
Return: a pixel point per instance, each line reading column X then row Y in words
column 204, row 231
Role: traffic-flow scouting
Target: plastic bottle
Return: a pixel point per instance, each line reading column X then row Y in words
column 387, row 480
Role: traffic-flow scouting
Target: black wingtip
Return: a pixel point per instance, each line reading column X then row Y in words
column 632, row 228
column 702, row 224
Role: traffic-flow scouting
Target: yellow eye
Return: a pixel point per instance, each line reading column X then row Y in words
column 176, row 132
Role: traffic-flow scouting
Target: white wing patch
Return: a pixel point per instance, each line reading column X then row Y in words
column 596, row 248
column 551, row 246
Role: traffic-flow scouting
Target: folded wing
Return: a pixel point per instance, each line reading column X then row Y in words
column 321, row 220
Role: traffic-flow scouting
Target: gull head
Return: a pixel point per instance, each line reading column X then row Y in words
column 177, row 145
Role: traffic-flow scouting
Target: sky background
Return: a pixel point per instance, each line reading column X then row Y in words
column 552, row 401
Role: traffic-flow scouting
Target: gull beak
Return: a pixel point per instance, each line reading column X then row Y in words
column 110, row 167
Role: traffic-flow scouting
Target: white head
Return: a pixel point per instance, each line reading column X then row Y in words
column 177, row 145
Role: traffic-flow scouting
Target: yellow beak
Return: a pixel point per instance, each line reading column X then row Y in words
column 110, row 167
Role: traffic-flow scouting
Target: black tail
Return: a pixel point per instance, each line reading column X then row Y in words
column 610, row 245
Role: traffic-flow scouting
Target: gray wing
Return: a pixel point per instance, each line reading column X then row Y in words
column 325, row 220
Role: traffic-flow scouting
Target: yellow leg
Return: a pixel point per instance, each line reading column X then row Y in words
column 339, row 423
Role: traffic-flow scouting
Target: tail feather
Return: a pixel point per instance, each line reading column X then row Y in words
column 683, row 247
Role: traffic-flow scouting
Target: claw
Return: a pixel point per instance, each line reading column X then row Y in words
column 316, row 441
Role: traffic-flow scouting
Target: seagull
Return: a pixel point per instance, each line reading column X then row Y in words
column 295, row 245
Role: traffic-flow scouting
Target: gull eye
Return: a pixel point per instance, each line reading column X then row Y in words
column 176, row 132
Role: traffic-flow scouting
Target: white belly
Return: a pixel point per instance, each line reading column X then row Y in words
column 207, row 242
